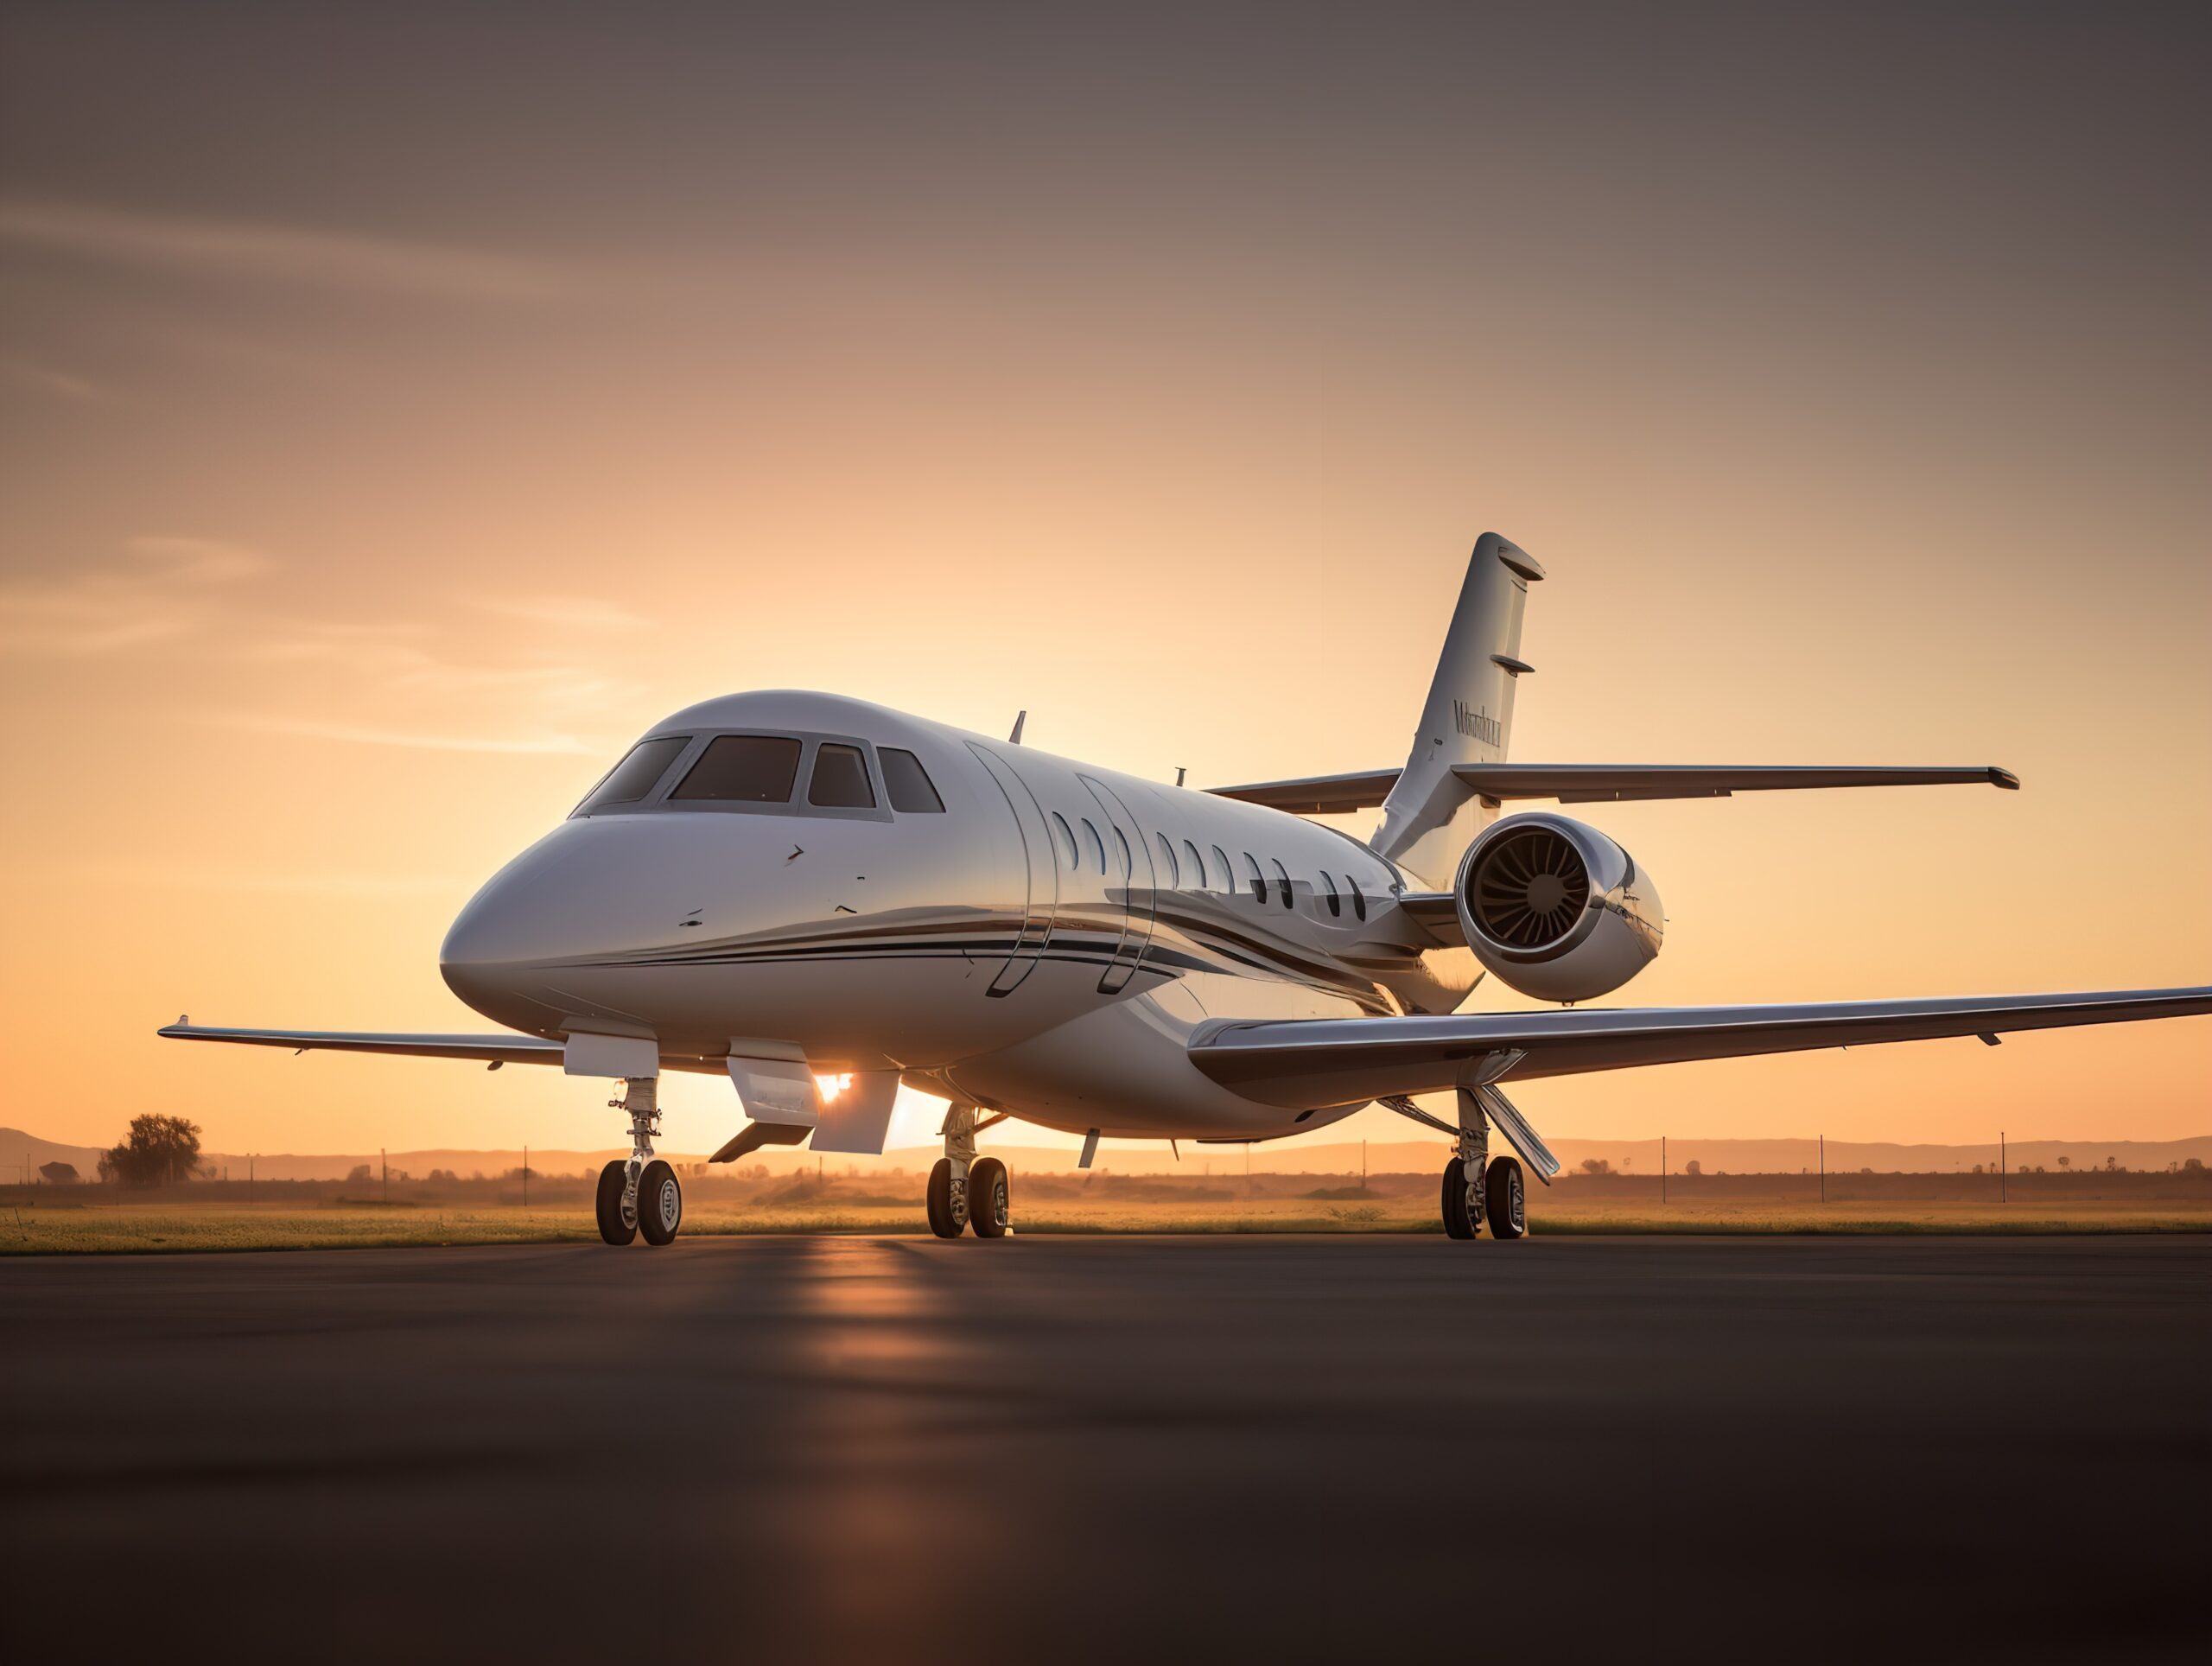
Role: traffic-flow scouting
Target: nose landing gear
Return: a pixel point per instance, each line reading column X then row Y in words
column 642, row 1193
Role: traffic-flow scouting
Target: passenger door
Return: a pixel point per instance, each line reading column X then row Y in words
column 1042, row 873
column 1139, row 894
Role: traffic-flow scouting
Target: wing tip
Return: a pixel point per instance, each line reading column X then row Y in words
column 2001, row 776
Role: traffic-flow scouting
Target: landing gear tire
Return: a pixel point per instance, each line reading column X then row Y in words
column 1462, row 1211
column 1508, row 1199
column 612, row 1225
column 660, row 1203
column 948, row 1204
column 987, row 1198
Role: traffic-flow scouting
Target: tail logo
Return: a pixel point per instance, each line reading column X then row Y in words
column 1477, row 724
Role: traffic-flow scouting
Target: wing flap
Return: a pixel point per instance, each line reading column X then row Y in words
column 1328, row 1062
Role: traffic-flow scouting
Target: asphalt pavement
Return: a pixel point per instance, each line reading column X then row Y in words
column 891, row 1449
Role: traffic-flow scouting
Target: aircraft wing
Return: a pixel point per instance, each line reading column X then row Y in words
column 1331, row 795
column 1329, row 1061
column 492, row 1049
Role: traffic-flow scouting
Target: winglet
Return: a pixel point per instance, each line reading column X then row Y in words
column 2004, row 778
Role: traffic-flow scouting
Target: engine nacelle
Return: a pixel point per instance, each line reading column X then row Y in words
column 1556, row 909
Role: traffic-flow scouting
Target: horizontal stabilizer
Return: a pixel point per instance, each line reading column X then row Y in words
column 1317, row 795
column 1573, row 783
column 1333, row 795
column 1323, row 1062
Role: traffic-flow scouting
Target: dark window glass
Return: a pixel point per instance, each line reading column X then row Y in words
column 1358, row 896
column 1167, row 860
column 639, row 773
column 1097, row 845
column 1227, row 883
column 1252, row 870
column 1283, row 881
column 1128, row 862
column 912, row 792
column 840, row 779
column 1064, row 836
column 1198, row 866
column 1336, row 903
column 743, row 768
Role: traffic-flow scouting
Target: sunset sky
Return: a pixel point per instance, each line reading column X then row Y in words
column 401, row 410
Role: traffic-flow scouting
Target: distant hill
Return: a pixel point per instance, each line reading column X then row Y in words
column 23, row 1154
column 18, row 1148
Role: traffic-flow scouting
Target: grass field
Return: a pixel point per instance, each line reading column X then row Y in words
column 169, row 1227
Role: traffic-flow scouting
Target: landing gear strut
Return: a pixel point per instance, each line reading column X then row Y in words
column 965, row 1187
column 1478, row 1187
column 642, row 1193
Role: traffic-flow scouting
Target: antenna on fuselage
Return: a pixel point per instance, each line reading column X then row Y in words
column 1179, row 775
column 1019, row 718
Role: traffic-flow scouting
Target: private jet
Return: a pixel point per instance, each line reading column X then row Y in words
column 783, row 887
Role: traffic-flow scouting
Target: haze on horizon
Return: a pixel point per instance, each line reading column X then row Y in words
column 400, row 411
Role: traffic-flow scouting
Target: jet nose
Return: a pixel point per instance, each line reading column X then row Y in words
column 477, row 955
column 590, row 893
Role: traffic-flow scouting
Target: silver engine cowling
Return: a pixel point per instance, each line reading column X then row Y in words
column 1556, row 909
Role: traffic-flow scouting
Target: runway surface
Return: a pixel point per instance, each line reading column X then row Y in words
column 893, row 1449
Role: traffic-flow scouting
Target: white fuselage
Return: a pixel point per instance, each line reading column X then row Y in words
column 1044, row 945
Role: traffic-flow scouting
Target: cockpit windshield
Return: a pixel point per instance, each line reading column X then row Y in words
column 743, row 768
column 637, row 774
column 760, row 774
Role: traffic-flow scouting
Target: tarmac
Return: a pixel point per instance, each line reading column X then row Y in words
column 892, row 1449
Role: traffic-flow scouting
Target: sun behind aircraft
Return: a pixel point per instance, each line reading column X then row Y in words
column 780, row 884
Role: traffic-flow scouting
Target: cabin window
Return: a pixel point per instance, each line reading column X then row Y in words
column 1226, row 883
column 743, row 768
column 912, row 792
column 1167, row 861
column 840, row 779
column 1283, row 881
column 1358, row 896
column 1064, row 836
column 637, row 774
column 1097, row 844
column 1129, row 862
column 1198, row 866
column 1329, row 886
column 1255, row 878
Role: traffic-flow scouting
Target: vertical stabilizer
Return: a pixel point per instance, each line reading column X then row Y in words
column 1431, row 816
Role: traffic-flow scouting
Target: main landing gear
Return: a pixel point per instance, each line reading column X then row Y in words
column 1478, row 1187
column 964, row 1189
column 643, row 1194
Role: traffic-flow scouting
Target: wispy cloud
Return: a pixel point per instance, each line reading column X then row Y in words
column 198, row 561
column 168, row 588
column 61, row 384
column 174, row 876
column 279, row 253
column 364, row 682
column 581, row 612
column 421, row 740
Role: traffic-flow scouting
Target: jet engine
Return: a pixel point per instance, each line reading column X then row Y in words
column 1555, row 908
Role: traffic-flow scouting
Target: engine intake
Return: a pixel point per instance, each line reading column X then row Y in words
column 1556, row 909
